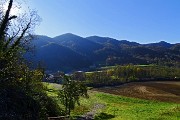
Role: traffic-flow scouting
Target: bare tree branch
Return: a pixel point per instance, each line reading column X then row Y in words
column 17, row 42
column 11, row 39
column 12, row 17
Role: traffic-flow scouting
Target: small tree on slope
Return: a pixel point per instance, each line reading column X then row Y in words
column 71, row 92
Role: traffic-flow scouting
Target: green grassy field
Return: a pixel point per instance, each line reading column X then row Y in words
column 110, row 67
column 122, row 108
column 129, row 108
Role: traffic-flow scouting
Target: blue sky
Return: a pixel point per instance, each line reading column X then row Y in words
column 141, row 21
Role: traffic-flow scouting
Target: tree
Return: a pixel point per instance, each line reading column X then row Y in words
column 13, row 40
column 71, row 92
column 22, row 94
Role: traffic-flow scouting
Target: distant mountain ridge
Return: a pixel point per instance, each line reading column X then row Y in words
column 161, row 44
column 69, row 52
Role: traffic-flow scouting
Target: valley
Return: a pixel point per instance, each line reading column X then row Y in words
column 69, row 52
column 122, row 63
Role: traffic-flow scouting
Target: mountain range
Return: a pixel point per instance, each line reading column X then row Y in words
column 70, row 52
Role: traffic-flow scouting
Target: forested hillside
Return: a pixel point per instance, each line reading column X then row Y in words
column 69, row 52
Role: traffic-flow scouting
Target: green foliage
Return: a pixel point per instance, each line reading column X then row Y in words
column 121, row 74
column 25, row 98
column 22, row 94
column 71, row 92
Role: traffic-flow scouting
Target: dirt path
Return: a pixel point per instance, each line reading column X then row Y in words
column 91, row 114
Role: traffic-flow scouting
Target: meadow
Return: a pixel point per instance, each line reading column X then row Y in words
column 102, row 106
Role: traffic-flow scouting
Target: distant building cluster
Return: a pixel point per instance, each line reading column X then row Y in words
column 59, row 76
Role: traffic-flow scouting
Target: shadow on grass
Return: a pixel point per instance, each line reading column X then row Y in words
column 103, row 116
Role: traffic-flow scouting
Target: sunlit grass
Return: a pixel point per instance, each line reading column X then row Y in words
column 122, row 108
column 128, row 108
